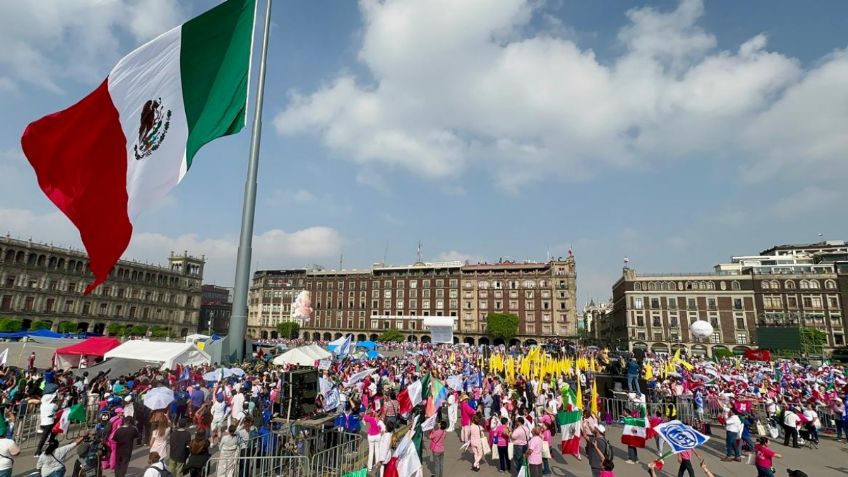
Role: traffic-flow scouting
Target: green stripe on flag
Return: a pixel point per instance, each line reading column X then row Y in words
column 215, row 64
column 635, row 422
column 568, row 417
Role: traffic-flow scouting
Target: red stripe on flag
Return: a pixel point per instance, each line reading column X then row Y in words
column 80, row 158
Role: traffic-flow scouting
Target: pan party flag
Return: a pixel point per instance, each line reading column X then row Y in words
column 123, row 147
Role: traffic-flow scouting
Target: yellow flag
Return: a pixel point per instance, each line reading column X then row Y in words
column 579, row 393
column 676, row 357
column 593, row 406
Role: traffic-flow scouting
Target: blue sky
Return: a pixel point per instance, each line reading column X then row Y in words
column 674, row 133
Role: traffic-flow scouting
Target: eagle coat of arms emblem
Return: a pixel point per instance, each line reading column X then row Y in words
column 152, row 129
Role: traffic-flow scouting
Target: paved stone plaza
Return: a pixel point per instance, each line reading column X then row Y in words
column 829, row 460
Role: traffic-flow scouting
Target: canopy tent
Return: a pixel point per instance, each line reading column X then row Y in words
column 368, row 344
column 115, row 367
column 441, row 328
column 36, row 333
column 196, row 337
column 302, row 356
column 169, row 354
column 92, row 348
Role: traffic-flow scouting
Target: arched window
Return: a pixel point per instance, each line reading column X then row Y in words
column 652, row 286
column 830, row 284
column 766, row 285
column 790, row 284
column 805, row 284
column 484, row 285
column 775, row 284
column 637, row 286
column 735, row 285
column 814, row 284
column 702, row 285
column 711, row 285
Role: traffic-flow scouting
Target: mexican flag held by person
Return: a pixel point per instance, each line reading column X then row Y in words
column 635, row 431
column 569, row 422
column 122, row 148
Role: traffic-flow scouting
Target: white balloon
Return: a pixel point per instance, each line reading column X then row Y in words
column 701, row 329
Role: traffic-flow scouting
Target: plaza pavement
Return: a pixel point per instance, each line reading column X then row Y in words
column 829, row 460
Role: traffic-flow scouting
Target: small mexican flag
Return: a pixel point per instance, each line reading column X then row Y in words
column 635, row 431
column 569, row 422
column 123, row 147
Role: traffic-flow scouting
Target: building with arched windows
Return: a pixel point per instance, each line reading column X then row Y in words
column 364, row 303
column 43, row 284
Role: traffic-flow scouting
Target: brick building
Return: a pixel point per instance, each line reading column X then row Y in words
column 366, row 302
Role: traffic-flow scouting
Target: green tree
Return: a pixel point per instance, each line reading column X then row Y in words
column 502, row 325
column 136, row 330
column 812, row 341
column 722, row 353
column 391, row 334
column 10, row 325
column 40, row 325
column 288, row 329
column 159, row 332
column 115, row 329
column 67, row 327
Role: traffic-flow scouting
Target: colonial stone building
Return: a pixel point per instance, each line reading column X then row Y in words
column 786, row 285
column 364, row 303
column 41, row 282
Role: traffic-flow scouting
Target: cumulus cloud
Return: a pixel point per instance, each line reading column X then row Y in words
column 456, row 256
column 457, row 85
column 271, row 249
column 33, row 33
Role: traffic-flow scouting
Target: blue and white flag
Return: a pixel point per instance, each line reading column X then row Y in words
column 680, row 437
column 344, row 348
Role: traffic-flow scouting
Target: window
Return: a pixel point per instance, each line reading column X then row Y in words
column 792, row 302
column 832, row 301
column 530, row 327
column 513, row 304
column 838, row 339
column 789, row 284
column 672, row 303
column 655, row 303
column 737, row 303
column 836, row 318
column 711, row 304
column 440, row 283
column 716, row 337
column 766, row 284
column 440, row 293
column 637, row 303
column 739, row 318
column 637, row 286
column 812, row 301
column 742, row 338
column 692, row 303
column 830, row 285
column 656, row 321
column 735, row 285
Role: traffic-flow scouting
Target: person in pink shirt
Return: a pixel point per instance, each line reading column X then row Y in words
column 547, row 436
column 375, row 428
column 500, row 438
column 466, row 412
column 475, row 442
column 437, row 447
column 534, row 453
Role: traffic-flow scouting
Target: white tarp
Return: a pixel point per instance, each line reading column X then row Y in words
column 441, row 328
column 169, row 354
column 196, row 337
column 302, row 356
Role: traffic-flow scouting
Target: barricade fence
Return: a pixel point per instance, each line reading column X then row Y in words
column 258, row 466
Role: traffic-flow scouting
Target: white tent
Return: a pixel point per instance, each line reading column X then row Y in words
column 302, row 356
column 169, row 354
column 196, row 337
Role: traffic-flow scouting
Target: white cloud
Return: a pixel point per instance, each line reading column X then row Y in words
column 804, row 201
column 459, row 85
column 271, row 249
column 455, row 256
column 33, row 34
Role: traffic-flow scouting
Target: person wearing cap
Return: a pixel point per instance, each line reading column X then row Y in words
column 466, row 412
column 596, row 439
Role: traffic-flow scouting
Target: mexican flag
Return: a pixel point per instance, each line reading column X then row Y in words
column 635, row 431
column 123, row 147
column 569, row 422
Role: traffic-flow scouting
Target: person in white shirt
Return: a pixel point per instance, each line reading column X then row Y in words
column 790, row 427
column 220, row 411
column 47, row 412
column 8, row 450
column 733, row 428
column 53, row 458
column 129, row 409
column 812, row 423
column 155, row 465
column 237, row 407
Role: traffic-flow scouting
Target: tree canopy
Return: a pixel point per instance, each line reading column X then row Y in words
column 502, row 325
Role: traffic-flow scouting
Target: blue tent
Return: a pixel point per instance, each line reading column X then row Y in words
column 366, row 344
column 36, row 333
column 373, row 354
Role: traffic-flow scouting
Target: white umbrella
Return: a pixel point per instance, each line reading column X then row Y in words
column 158, row 398
column 235, row 372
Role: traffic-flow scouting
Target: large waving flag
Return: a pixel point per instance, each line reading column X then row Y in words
column 410, row 397
column 124, row 146
column 569, row 422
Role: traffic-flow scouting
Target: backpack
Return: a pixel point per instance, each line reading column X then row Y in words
column 608, row 455
column 163, row 472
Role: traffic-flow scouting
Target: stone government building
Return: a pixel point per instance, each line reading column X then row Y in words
column 40, row 282
column 364, row 303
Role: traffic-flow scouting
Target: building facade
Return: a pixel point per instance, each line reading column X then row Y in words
column 787, row 285
column 40, row 282
column 215, row 309
column 365, row 303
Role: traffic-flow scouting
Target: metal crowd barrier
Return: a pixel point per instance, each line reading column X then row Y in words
column 258, row 466
column 350, row 455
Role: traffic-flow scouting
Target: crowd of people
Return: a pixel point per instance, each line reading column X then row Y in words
column 511, row 408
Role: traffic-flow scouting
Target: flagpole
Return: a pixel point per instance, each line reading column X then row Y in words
column 238, row 317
